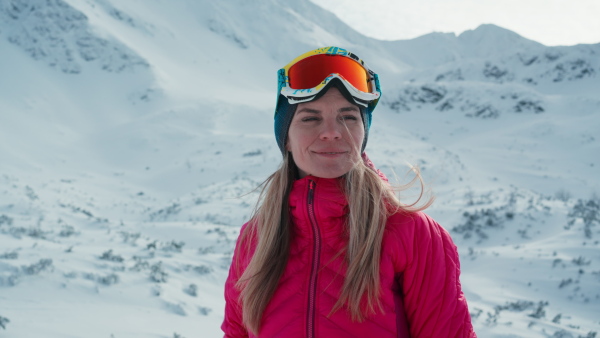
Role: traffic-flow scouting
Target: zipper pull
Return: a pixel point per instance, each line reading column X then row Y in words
column 311, row 191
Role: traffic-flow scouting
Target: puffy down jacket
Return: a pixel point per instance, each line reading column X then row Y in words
column 419, row 274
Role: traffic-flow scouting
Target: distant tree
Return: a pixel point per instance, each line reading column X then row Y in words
column 3, row 322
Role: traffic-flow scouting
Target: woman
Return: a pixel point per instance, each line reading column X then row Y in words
column 330, row 251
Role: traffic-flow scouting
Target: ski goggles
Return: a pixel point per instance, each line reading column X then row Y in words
column 307, row 75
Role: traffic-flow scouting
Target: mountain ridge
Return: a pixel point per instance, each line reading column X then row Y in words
column 133, row 137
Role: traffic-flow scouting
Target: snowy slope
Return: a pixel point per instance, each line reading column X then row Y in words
column 133, row 134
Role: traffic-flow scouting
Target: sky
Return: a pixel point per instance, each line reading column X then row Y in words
column 550, row 22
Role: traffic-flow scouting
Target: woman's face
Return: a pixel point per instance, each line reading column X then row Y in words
column 326, row 135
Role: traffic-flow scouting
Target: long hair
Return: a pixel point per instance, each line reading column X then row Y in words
column 269, row 227
column 371, row 201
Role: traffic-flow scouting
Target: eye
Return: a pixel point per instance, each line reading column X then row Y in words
column 349, row 118
column 309, row 119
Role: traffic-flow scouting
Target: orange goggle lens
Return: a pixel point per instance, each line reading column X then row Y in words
column 309, row 72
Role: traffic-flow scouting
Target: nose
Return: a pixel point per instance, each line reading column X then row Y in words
column 331, row 130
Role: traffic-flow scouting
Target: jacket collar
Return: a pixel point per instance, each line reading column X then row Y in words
column 328, row 204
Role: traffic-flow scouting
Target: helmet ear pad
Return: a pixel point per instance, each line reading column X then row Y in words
column 285, row 111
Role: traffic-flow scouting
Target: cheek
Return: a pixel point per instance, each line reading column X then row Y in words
column 357, row 134
column 290, row 136
column 289, row 144
column 296, row 140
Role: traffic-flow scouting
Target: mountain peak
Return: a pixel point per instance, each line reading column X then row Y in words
column 489, row 39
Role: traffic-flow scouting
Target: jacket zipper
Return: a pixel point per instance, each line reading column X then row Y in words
column 312, row 291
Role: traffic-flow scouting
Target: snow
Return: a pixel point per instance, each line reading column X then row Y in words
column 133, row 136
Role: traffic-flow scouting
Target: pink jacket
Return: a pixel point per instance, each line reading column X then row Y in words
column 419, row 275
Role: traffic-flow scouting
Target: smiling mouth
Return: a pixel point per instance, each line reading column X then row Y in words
column 330, row 152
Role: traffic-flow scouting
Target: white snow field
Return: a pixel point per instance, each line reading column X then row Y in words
column 133, row 135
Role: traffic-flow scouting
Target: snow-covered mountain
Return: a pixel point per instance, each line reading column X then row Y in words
column 133, row 135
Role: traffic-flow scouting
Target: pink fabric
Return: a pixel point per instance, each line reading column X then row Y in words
column 419, row 271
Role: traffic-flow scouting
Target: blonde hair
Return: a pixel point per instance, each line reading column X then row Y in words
column 371, row 201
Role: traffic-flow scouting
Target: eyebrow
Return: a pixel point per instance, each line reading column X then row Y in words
column 316, row 111
column 349, row 108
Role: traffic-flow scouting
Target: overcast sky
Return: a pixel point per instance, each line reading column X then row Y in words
column 551, row 22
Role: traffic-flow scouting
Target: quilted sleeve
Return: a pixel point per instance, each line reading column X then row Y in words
column 232, row 324
column 433, row 299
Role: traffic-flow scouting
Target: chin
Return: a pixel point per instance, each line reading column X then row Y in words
column 331, row 173
column 328, row 175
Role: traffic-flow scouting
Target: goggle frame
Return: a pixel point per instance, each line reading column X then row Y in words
column 299, row 95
